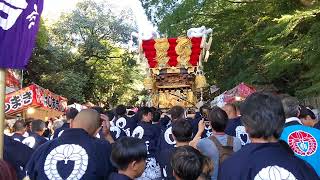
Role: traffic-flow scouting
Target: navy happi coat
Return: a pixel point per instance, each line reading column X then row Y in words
column 164, row 123
column 17, row 137
column 115, row 132
column 265, row 161
column 236, row 129
column 60, row 130
column 164, row 162
column 126, row 124
column 117, row 176
column 34, row 140
column 74, row 155
column 150, row 134
column 166, row 140
column 17, row 154
column 207, row 130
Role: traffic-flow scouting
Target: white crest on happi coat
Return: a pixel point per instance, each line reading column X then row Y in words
column 59, row 134
column 167, row 138
column 274, row 173
column 138, row 132
column 29, row 141
column 241, row 132
column 66, row 152
column 116, row 130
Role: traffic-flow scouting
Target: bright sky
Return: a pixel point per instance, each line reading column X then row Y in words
column 54, row 8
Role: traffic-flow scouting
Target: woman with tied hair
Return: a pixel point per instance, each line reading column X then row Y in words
column 7, row 172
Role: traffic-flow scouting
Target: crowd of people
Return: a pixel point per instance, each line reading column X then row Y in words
column 266, row 137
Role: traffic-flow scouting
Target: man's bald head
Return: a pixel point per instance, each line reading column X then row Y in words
column 88, row 119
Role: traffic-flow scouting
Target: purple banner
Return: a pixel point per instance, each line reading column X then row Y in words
column 19, row 24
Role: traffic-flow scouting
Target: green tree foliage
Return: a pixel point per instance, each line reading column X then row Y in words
column 273, row 42
column 82, row 56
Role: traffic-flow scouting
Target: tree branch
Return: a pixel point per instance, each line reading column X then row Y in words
column 101, row 57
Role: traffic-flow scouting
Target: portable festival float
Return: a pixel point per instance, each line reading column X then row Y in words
column 175, row 68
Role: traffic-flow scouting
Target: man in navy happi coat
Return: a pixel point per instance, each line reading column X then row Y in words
column 235, row 127
column 149, row 133
column 35, row 138
column 19, row 128
column 76, row 154
column 124, row 122
column 115, row 131
column 203, row 114
column 70, row 115
column 166, row 140
column 17, row 154
column 264, row 157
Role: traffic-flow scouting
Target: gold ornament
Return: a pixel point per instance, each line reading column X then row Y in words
column 155, row 100
column 183, row 50
column 148, row 83
column 178, row 96
column 190, row 97
column 162, row 100
column 162, row 46
column 200, row 80
column 172, row 99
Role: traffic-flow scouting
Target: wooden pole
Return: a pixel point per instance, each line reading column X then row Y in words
column 2, row 100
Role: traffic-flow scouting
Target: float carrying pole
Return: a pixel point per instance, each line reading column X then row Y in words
column 2, row 107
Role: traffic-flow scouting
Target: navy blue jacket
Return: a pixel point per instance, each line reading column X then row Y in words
column 126, row 124
column 236, row 129
column 164, row 122
column 166, row 140
column 163, row 159
column 17, row 137
column 115, row 132
column 58, row 131
column 117, row 176
column 74, row 155
column 207, row 131
column 150, row 134
column 265, row 161
column 34, row 140
column 17, row 154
